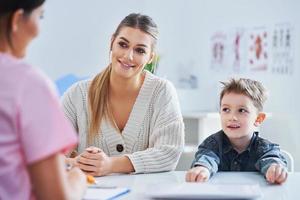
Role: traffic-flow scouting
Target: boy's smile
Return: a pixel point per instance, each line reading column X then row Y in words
column 233, row 126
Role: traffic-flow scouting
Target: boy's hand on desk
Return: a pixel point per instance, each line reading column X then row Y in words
column 276, row 173
column 197, row 174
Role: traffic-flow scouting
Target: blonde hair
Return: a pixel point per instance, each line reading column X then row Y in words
column 98, row 90
column 251, row 88
column 98, row 102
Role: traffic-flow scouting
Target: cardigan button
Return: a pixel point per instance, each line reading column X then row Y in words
column 119, row 147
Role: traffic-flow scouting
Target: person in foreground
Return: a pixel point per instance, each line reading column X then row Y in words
column 33, row 128
column 128, row 119
column 237, row 147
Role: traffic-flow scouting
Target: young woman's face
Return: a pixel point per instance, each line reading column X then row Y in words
column 27, row 28
column 238, row 116
column 131, row 50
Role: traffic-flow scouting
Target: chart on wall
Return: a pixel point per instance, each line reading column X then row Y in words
column 268, row 49
column 236, row 54
column 258, row 49
column 218, row 45
column 283, row 49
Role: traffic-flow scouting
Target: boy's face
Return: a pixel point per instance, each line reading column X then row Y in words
column 239, row 116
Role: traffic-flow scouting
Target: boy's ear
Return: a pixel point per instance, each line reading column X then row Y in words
column 259, row 119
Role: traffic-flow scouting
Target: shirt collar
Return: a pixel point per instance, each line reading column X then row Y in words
column 252, row 142
column 228, row 147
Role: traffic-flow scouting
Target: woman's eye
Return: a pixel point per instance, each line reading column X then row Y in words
column 140, row 51
column 122, row 44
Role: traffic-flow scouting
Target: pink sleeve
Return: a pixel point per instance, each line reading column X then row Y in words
column 43, row 130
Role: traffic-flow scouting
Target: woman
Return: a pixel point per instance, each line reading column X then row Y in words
column 34, row 130
column 128, row 120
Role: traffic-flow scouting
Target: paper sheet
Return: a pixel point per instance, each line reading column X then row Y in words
column 104, row 193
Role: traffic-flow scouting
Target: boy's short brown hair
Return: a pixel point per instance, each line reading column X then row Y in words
column 251, row 88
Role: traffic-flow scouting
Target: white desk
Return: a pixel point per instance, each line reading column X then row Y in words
column 141, row 183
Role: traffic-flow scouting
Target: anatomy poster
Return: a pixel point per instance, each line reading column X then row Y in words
column 218, row 51
column 267, row 49
column 237, row 41
column 258, row 49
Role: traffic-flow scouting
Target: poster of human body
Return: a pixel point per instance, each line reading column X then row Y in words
column 258, row 49
column 218, row 50
column 261, row 49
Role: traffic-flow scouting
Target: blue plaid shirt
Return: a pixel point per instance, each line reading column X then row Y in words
column 217, row 154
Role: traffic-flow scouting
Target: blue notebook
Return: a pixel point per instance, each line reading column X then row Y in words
column 104, row 193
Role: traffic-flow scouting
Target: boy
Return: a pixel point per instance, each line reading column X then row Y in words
column 237, row 147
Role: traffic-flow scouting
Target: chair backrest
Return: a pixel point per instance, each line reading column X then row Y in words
column 290, row 160
column 64, row 82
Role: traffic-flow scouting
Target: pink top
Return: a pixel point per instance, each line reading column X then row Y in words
column 32, row 125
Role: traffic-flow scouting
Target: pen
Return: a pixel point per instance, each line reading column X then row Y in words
column 91, row 180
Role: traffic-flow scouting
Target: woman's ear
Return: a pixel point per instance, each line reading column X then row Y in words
column 259, row 119
column 16, row 19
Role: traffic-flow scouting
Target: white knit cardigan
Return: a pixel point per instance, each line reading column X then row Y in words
column 153, row 137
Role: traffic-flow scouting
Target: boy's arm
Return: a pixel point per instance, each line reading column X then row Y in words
column 207, row 155
column 269, row 154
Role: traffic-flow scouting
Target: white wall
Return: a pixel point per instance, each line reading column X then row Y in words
column 76, row 34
